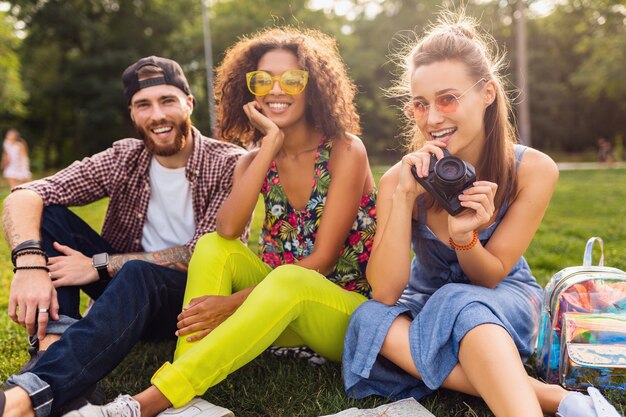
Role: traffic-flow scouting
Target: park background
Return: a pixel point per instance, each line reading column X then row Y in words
column 61, row 62
column 60, row 69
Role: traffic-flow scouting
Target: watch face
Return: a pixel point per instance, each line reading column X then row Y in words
column 100, row 260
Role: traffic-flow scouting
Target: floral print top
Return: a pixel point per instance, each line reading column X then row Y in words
column 288, row 234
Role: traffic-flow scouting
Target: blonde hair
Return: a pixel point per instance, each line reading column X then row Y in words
column 456, row 37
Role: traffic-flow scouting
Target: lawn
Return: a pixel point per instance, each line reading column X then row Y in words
column 586, row 203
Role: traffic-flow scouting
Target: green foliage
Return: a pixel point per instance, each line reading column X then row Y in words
column 73, row 58
column 12, row 93
column 75, row 51
column 600, row 74
column 575, row 88
column 585, row 203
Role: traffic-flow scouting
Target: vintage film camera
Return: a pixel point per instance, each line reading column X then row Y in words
column 446, row 180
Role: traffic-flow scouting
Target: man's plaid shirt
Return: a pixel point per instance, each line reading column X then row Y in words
column 121, row 173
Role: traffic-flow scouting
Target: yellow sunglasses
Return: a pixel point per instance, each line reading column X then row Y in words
column 260, row 83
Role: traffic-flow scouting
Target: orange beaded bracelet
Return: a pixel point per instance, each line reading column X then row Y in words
column 467, row 246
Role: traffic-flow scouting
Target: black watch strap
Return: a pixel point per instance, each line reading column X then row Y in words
column 103, row 273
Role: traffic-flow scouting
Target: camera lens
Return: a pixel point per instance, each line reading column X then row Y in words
column 450, row 170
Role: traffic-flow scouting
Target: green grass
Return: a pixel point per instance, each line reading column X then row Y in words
column 585, row 204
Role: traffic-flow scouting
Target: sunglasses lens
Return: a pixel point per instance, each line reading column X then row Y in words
column 446, row 103
column 419, row 110
column 259, row 83
column 293, row 82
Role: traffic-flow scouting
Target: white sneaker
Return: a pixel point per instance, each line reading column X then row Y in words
column 122, row 406
column 197, row 408
column 576, row 404
column 602, row 406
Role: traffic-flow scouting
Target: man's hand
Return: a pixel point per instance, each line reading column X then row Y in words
column 72, row 269
column 32, row 290
column 203, row 314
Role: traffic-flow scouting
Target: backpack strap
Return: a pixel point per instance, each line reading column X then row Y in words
column 587, row 257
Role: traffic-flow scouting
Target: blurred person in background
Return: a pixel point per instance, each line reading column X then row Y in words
column 605, row 151
column 15, row 162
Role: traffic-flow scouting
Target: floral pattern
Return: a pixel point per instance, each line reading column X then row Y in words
column 288, row 235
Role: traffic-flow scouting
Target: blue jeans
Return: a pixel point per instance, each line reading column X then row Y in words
column 141, row 302
column 59, row 224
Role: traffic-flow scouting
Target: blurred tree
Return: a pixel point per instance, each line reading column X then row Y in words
column 233, row 19
column 576, row 63
column 73, row 57
column 602, row 72
column 376, row 46
column 75, row 51
column 12, row 93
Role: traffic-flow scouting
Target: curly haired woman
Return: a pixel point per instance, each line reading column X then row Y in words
column 285, row 93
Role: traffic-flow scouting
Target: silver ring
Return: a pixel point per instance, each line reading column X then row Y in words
column 43, row 310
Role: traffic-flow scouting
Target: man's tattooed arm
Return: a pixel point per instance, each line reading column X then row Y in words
column 21, row 216
column 175, row 258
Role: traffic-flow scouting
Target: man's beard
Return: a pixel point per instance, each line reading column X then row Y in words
column 181, row 131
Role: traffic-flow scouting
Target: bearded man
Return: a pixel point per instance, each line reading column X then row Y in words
column 164, row 192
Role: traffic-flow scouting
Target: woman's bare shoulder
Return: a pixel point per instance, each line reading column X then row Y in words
column 537, row 166
column 350, row 144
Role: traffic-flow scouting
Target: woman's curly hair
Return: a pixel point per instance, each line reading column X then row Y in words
column 330, row 93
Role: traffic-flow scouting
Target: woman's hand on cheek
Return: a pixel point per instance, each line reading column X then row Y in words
column 273, row 136
column 260, row 121
column 480, row 208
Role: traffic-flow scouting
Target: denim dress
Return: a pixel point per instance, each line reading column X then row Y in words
column 443, row 306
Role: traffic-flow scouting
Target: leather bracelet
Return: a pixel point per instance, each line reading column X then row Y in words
column 31, row 252
column 466, row 246
column 19, row 268
column 29, row 244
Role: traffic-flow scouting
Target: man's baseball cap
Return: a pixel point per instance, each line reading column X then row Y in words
column 172, row 75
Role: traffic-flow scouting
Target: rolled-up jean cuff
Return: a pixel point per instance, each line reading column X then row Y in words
column 39, row 392
column 60, row 326
column 173, row 384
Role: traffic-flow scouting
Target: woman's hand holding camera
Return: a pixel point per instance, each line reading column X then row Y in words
column 419, row 159
column 273, row 136
column 479, row 199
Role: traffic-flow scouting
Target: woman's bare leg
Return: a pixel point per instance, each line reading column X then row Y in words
column 492, row 364
column 396, row 348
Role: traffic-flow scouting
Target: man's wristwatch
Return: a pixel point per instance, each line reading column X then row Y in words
column 100, row 261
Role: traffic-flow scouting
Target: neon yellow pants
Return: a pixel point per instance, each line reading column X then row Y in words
column 291, row 306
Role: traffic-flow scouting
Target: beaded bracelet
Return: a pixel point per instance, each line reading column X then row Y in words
column 18, row 268
column 467, row 246
column 29, row 244
column 31, row 252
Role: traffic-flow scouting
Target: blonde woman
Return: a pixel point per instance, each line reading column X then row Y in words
column 463, row 313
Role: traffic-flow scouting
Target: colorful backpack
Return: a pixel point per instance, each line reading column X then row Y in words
column 582, row 335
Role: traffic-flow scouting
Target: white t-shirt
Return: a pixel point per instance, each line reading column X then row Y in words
column 170, row 220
